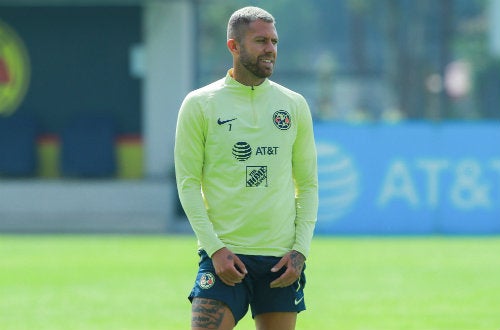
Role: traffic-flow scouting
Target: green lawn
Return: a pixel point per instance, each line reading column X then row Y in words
column 141, row 282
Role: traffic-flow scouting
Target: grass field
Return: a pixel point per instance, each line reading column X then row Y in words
column 141, row 282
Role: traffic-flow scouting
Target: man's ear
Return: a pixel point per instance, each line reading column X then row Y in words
column 232, row 45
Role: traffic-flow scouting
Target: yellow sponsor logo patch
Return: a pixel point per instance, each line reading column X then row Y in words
column 14, row 70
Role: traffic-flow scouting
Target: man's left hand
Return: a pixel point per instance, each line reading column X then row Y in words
column 294, row 263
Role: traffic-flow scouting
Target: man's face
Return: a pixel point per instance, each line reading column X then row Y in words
column 259, row 49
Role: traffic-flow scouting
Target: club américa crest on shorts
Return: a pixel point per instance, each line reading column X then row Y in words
column 207, row 280
column 282, row 120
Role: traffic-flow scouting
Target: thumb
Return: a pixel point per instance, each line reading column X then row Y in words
column 279, row 265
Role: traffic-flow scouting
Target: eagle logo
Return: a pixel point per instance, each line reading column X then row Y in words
column 207, row 280
column 282, row 120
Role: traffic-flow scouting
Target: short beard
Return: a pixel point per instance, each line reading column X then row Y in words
column 253, row 67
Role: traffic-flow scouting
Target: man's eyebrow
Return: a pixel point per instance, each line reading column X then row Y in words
column 264, row 37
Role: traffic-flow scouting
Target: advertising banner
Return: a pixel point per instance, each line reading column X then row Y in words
column 410, row 178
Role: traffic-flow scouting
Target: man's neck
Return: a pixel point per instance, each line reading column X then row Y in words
column 245, row 79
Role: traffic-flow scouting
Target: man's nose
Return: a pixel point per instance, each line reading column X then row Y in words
column 270, row 47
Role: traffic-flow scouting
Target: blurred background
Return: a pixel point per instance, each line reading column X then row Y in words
column 405, row 97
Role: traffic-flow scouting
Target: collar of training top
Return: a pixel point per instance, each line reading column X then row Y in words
column 230, row 81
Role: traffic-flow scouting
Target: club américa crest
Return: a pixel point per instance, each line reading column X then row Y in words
column 14, row 70
column 282, row 119
column 207, row 280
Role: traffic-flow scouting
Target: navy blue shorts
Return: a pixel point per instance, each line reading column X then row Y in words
column 253, row 291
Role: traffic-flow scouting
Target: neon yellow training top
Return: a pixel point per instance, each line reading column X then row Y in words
column 246, row 168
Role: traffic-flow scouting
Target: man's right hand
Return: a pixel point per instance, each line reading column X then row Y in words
column 228, row 266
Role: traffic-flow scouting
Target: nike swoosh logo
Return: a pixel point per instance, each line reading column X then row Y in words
column 222, row 122
column 297, row 301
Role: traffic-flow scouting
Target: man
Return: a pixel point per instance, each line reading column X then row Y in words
column 247, row 178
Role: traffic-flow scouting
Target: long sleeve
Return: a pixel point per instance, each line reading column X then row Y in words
column 304, row 165
column 189, row 158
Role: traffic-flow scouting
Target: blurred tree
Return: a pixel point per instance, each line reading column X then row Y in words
column 357, row 28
